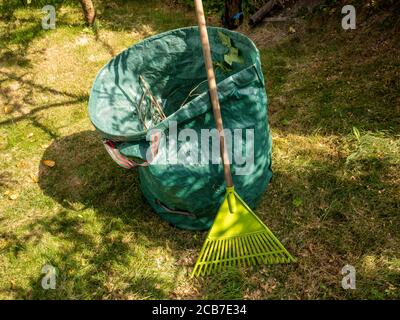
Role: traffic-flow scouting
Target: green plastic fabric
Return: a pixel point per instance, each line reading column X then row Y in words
column 172, row 65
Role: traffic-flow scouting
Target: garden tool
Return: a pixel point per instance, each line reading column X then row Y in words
column 237, row 237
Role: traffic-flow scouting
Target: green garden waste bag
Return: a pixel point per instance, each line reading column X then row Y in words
column 152, row 108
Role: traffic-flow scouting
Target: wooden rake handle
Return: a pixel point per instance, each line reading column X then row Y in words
column 212, row 85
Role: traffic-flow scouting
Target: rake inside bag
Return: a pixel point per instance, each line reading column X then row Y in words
column 238, row 237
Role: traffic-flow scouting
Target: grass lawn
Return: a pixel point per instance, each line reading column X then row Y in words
column 334, row 105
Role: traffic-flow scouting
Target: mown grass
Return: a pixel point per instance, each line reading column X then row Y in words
column 334, row 199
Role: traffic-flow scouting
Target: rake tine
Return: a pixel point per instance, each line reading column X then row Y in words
column 270, row 247
column 285, row 255
column 198, row 267
column 258, row 252
column 267, row 249
column 249, row 250
column 280, row 245
column 228, row 253
column 274, row 246
column 239, row 264
column 244, row 253
column 235, row 253
column 221, row 255
column 232, row 254
column 216, row 260
column 259, row 247
column 212, row 258
column 218, row 255
column 206, row 258
column 252, row 258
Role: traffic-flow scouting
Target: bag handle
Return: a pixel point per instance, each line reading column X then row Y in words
column 179, row 212
column 120, row 159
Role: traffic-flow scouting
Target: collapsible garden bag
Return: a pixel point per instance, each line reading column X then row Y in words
column 160, row 85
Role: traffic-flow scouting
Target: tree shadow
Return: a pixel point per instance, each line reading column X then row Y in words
column 20, row 101
column 86, row 178
column 142, row 16
column 343, row 219
column 76, row 280
column 318, row 80
column 16, row 39
column 16, row 104
column 19, row 33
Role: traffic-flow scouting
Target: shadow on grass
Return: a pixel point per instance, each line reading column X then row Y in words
column 143, row 16
column 27, row 88
column 86, row 178
column 91, row 189
column 107, row 234
column 8, row 96
column 20, row 31
column 334, row 81
column 82, row 275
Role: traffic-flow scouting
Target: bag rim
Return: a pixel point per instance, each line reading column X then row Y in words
column 223, row 87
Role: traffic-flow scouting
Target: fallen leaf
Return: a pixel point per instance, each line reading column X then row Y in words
column 7, row 109
column 297, row 202
column 285, row 122
column 30, row 135
column 34, row 178
column 81, row 41
column 21, row 164
column 292, row 30
column 49, row 163
column 13, row 196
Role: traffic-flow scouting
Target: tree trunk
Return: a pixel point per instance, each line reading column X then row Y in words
column 260, row 14
column 88, row 11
